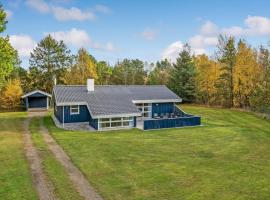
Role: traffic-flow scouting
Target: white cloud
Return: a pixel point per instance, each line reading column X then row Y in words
column 74, row 37
column 255, row 26
column 66, row 14
column 233, row 31
column 80, row 38
column 172, row 51
column 9, row 14
column 200, row 41
column 258, row 25
column 23, row 43
column 149, row 34
column 39, row 5
column 102, row 9
column 208, row 35
column 209, row 29
column 63, row 14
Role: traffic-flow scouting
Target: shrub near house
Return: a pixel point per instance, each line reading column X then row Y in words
column 11, row 95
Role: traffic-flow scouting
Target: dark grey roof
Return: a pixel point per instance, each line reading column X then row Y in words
column 112, row 99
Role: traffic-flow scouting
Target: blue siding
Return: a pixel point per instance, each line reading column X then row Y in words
column 172, row 123
column 58, row 113
column 37, row 102
column 84, row 115
column 93, row 123
column 158, row 108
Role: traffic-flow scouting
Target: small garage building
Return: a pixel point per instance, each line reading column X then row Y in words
column 37, row 100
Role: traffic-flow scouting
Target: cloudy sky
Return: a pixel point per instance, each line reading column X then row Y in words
column 146, row 29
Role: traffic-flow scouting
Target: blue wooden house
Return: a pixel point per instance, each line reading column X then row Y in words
column 109, row 107
column 36, row 100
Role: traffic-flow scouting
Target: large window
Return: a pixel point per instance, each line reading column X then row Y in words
column 75, row 110
column 115, row 122
column 145, row 109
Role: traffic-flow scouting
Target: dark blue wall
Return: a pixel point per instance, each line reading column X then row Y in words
column 172, row 123
column 58, row 113
column 159, row 108
column 37, row 102
column 84, row 115
column 93, row 123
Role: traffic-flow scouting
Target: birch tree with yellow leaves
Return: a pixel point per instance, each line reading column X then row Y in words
column 246, row 73
column 85, row 67
column 207, row 73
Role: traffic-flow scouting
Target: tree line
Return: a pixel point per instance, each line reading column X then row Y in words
column 236, row 75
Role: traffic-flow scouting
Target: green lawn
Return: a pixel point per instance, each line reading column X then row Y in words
column 54, row 171
column 227, row 158
column 15, row 176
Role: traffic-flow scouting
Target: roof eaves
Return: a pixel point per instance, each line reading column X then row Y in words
column 158, row 101
column 35, row 91
column 137, row 114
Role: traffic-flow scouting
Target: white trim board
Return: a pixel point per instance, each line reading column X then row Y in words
column 74, row 113
column 36, row 91
column 158, row 101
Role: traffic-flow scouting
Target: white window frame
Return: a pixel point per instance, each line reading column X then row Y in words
column 143, row 111
column 74, row 107
column 121, row 120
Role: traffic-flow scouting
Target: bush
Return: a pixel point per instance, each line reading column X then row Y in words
column 10, row 98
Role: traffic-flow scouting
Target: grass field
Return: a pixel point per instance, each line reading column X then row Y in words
column 227, row 158
column 15, row 176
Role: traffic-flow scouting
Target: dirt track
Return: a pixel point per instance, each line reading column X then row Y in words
column 42, row 186
column 79, row 181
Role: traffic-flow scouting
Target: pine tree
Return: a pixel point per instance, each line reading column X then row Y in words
column 227, row 59
column 49, row 59
column 182, row 79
